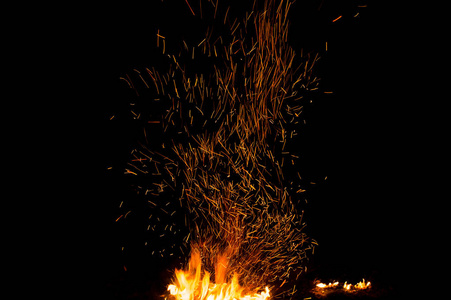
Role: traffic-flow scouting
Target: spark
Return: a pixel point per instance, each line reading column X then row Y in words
column 227, row 139
column 336, row 19
column 190, row 7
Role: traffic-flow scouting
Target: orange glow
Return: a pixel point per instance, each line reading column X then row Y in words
column 322, row 285
column 323, row 289
column 192, row 285
column 361, row 285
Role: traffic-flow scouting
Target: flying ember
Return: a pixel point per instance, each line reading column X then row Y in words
column 228, row 159
column 219, row 159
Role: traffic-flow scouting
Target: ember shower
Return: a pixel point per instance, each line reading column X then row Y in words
column 219, row 125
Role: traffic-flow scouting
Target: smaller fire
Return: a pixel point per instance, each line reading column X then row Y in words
column 323, row 289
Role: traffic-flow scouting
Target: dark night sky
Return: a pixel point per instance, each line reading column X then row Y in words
column 352, row 136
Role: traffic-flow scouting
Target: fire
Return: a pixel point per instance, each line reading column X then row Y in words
column 192, row 285
column 322, row 288
column 322, row 285
column 361, row 285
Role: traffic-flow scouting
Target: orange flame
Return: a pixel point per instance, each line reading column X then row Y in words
column 348, row 287
column 191, row 285
column 361, row 285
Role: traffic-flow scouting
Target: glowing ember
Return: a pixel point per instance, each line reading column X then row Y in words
column 192, row 285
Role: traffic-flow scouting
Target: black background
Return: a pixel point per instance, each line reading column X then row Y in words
column 354, row 136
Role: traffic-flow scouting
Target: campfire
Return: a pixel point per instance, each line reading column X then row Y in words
column 195, row 283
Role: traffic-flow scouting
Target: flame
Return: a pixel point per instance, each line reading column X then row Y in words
column 322, row 285
column 361, row 285
column 191, row 285
column 347, row 287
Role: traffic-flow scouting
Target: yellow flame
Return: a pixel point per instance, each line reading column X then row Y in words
column 322, row 285
column 190, row 285
column 361, row 285
column 346, row 286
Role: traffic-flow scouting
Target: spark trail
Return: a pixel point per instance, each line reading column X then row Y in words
column 222, row 154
